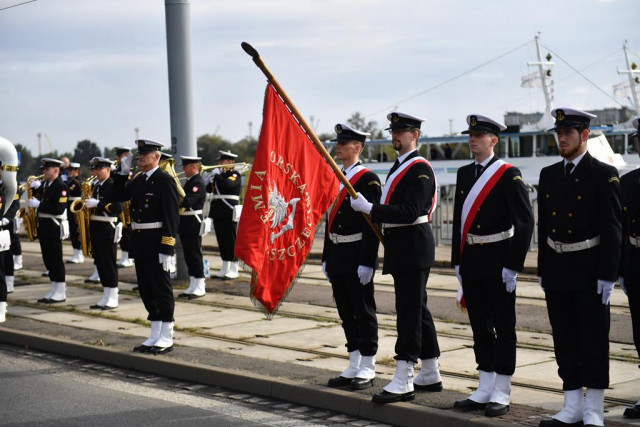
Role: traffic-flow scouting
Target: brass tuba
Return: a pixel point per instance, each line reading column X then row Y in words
column 168, row 166
column 82, row 214
column 9, row 160
column 28, row 214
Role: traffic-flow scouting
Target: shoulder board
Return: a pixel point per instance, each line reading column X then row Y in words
column 374, row 183
column 517, row 177
column 423, row 176
column 613, row 179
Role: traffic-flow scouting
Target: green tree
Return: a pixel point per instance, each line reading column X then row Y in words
column 85, row 151
column 28, row 164
column 357, row 121
column 209, row 147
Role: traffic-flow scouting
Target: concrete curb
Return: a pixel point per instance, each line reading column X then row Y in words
column 401, row 414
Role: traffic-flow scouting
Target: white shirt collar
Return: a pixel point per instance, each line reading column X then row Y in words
column 486, row 161
column 404, row 156
column 150, row 172
column 575, row 161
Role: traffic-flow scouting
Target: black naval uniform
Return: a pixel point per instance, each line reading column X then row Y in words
column 491, row 308
column 228, row 183
column 125, row 241
column 581, row 206
column 355, row 302
column 10, row 214
column 630, row 257
column 74, row 185
column 195, row 195
column 53, row 201
column 152, row 200
column 3, row 258
column 409, row 254
column 103, row 231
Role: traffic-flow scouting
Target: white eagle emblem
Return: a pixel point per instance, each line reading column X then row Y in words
column 279, row 206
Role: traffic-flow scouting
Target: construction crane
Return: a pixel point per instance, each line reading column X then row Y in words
column 46, row 137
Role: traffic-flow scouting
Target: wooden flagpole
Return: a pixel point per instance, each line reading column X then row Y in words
column 323, row 151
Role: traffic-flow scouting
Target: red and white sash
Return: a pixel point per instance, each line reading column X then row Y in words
column 396, row 177
column 353, row 175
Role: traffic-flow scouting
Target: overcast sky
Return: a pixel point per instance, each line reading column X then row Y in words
column 97, row 69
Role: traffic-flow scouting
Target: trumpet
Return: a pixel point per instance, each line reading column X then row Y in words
column 239, row 167
column 28, row 214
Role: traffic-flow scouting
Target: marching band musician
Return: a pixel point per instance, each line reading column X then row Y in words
column 104, row 231
column 9, row 223
column 190, row 224
column 407, row 202
column 579, row 241
column 629, row 272
column 16, row 246
column 487, row 259
column 52, row 225
column 74, row 183
column 6, row 260
column 125, row 241
column 226, row 185
column 153, row 200
column 349, row 259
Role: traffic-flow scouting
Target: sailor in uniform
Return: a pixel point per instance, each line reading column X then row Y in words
column 74, row 184
column 407, row 202
column 579, row 241
column 629, row 272
column 190, row 226
column 9, row 222
column 53, row 227
column 125, row 241
column 154, row 224
column 225, row 184
column 349, row 259
column 104, row 231
column 492, row 228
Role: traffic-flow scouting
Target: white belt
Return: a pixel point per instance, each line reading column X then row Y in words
column 420, row 220
column 226, row 196
column 46, row 215
column 560, row 247
column 189, row 213
column 474, row 239
column 338, row 238
column 103, row 218
column 635, row 241
column 71, row 199
column 146, row 225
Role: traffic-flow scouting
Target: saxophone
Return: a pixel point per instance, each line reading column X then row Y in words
column 28, row 214
column 82, row 214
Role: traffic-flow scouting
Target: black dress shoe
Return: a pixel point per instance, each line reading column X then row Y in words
column 53, row 301
column 107, row 308
column 554, row 422
column 435, row 387
column 632, row 412
column 361, row 383
column 91, row 281
column 468, row 405
column 386, row 397
column 495, row 409
column 142, row 348
column 44, row 300
column 135, row 289
column 183, row 295
column 194, row 296
column 157, row 351
column 45, row 274
column 96, row 307
column 339, row 381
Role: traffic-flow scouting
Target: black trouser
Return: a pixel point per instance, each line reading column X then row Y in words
column 155, row 289
column 357, row 309
column 192, row 248
column 52, row 256
column 580, row 324
column 492, row 314
column 417, row 337
column 8, row 263
column 74, row 236
column 16, row 246
column 125, row 241
column 3, row 283
column 104, row 257
column 633, row 294
column 226, row 234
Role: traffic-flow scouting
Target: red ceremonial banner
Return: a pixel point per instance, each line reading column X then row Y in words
column 289, row 189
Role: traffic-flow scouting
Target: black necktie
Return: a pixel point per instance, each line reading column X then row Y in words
column 479, row 168
column 567, row 169
column 395, row 166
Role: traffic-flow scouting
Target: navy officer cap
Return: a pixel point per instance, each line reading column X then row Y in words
column 227, row 155
column 47, row 162
column 74, row 165
column 571, row 118
column 484, row 124
column 403, row 121
column 186, row 160
column 121, row 150
column 100, row 162
column 636, row 125
column 347, row 133
column 165, row 156
column 147, row 146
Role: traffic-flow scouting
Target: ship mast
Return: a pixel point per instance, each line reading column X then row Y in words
column 634, row 76
column 544, row 66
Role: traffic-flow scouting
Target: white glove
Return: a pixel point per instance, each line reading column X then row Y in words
column 540, row 283
column 457, row 269
column 125, row 164
column 91, row 203
column 33, row 203
column 206, row 177
column 621, row 281
column 605, row 288
column 166, row 261
column 509, row 278
column 324, row 270
column 361, row 204
column 365, row 274
column 5, row 221
column 35, row 184
column 216, row 171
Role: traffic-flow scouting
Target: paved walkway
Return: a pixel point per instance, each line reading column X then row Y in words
column 223, row 334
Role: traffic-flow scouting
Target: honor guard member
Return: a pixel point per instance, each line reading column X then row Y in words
column 190, row 223
column 9, row 221
column 6, row 259
column 404, row 210
column 105, row 231
column 16, row 246
column 125, row 241
column 226, row 185
column 51, row 205
column 74, row 183
column 492, row 228
column 579, row 240
column 153, row 200
column 630, row 260
column 349, row 259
